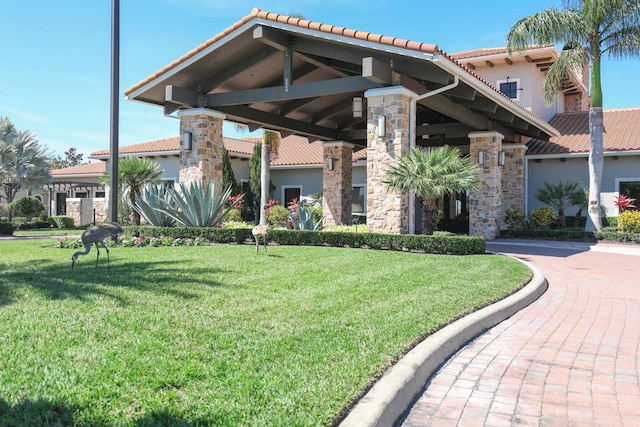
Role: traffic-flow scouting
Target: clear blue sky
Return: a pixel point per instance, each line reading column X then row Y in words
column 55, row 67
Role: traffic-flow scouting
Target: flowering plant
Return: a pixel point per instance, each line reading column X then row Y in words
column 624, row 202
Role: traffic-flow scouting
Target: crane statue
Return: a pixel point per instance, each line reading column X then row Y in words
column 96, row 234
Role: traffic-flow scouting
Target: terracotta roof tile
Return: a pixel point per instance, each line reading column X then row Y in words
column 621, row 133
column 160, row 145
column 94, row 168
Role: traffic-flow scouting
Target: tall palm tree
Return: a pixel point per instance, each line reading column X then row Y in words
column 133, row 174
column 589, row 29
column 432, row 173
column 270, row 144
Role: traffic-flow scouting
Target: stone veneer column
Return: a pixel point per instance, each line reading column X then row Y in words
column 387, row 211
column 485, row 202
column 337, row 183
column 513, row 177
column 203, row 163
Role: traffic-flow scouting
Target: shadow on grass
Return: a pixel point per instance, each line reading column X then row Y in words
column 54, row 280
column 39, row 413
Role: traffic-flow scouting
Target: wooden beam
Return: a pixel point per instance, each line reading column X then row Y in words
column 463, row 91
column 376, row 71
column 242, row 114
column 489, row 64
column 302, row 90
column 271, row 37
column 236, row 68
column 180, row 96
column 528, row 59
column 508, row 61
column 470, row 66
column 449, row 130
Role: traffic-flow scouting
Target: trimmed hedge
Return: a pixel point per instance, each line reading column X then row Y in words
column 579, row 235
column 61, row 221
column 6, row 229
column 33, row 225
column 436, row 244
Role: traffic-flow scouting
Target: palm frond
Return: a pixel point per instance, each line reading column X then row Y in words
column 547, row 27
column 571, row 60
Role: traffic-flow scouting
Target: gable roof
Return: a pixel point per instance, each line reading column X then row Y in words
column 621, row 133
column 237, row 72
column 94, row 168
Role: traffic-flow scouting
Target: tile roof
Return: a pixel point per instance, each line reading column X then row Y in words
column 488, row 51
column 94, row 168
column 621, row 133
column 298, row 22
column 172, row 146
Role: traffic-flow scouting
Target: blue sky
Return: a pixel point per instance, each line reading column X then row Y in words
column 55, row 67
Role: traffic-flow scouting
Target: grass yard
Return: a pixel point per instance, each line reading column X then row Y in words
column 216, row 335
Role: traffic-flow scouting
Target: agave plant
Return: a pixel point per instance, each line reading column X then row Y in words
column 303, row 219
column 148, row 202
column 196, row 206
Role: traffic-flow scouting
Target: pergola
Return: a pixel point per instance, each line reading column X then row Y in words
column 344, row 87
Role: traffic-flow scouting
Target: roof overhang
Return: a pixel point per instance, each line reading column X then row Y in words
column 300, row 77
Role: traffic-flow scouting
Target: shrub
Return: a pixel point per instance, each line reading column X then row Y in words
column 33, row 225
column 304, row 219
column 232, row 216
column 514, row 219
column 629, row 221
column 26, row 206
column 542, row 219
column 278, row 214
column 6, row 229
column 61, row 221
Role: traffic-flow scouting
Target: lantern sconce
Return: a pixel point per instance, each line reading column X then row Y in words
column 481, row 157
column 331, row 163
column 187, row 141
column 357, row 107
column 501, row 158
column 382, row 126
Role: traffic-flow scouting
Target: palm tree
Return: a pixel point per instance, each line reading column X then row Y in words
column 270, row 144
column 432, row 173
column 560, row 196
column 589, row 29
column 24, row 162
column 133, row 174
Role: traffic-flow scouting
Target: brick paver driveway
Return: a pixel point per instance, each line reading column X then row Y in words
column 569, row 359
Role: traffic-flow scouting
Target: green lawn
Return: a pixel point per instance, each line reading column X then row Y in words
column 216, row 335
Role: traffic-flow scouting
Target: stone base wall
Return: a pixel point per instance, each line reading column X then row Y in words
column 513, row 178
column 485, row 202
column 336, row 183
column 87, row 211
column 203, row 163
column 387, row 211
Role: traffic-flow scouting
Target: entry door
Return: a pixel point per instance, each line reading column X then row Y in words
column 61, row 204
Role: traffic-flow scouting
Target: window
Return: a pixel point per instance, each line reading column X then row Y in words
column 290, row 192
column 81, row 194
column 630, row 188
column 510, row 88
column 100, row 194
column 358, row 204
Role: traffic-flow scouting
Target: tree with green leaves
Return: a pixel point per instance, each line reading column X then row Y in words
column 133, row 174
column 431, row 173
column 228, row 177
column 589, row 29
column 24, row 163
column 71, row 158
column 560, row 196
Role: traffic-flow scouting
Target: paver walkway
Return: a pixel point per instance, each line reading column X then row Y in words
column 569, row 359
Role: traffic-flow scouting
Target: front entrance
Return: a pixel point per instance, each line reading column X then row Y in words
column 455, row 213
column 61, row 204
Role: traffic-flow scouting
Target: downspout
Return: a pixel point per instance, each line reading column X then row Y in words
column 412, row 136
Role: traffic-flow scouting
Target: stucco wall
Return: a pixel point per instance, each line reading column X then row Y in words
column 577, row 169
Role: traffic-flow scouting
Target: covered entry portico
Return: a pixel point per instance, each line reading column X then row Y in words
column 349, row 89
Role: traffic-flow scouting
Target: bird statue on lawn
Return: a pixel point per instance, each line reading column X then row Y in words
column 96, row 234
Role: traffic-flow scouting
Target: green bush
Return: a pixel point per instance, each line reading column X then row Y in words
column 278, row 214
column 6, row 229
column 33, row 225
column 232, row 216
column 27, row 206
column 61, row 221
column 514, row 219
column 542, row 219
column 629, row 221
column 438, row 243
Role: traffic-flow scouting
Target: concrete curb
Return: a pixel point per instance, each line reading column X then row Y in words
column 396, row 391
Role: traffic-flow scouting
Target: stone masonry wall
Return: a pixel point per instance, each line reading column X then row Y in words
column 336, row 184
column 204, row 162
column 387, row 211
column 513, row 178
column 485, row 202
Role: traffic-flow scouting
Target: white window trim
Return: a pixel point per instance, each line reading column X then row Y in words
column 286, row 187
column 516, row 81
column 171, row 178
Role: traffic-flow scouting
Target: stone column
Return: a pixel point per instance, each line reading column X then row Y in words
column 387, row 211
column 203, row 163
column 513, row 177
column 485, row 203
column 337, row 183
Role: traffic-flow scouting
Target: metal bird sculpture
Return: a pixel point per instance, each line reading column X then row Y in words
column 96, row 235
